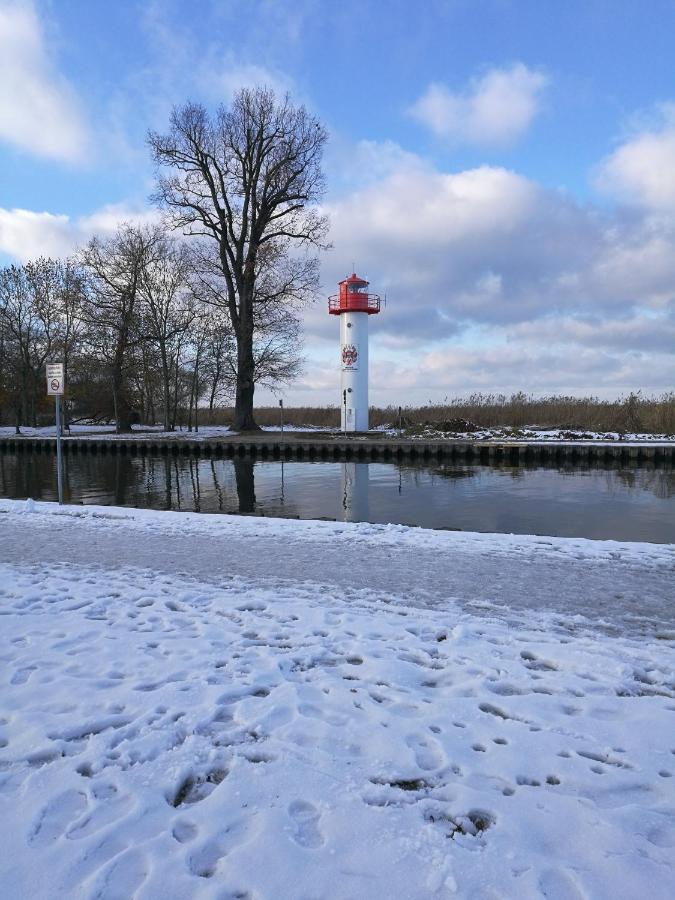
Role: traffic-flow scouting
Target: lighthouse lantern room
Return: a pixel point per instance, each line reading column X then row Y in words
column 353, row 304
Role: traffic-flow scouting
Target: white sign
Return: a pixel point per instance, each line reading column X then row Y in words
column 55, row 380
column 350, row 357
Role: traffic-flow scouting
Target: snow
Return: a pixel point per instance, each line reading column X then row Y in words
column 528, row 435
column 222, row 707
column 533, row 434
column 138, row 432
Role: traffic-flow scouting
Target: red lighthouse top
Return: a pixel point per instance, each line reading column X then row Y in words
column 354, row 297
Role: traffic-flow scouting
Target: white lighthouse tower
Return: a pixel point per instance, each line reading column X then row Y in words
column 354, row 305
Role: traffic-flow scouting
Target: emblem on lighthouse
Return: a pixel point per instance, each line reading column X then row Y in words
column 350, row 356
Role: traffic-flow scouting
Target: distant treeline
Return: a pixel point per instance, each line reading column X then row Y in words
column 142, row 328
column 632, row 413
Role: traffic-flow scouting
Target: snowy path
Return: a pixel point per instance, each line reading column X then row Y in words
column 269, row 724
column 617, row 585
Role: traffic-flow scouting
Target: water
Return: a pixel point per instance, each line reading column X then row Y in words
column 625, row 504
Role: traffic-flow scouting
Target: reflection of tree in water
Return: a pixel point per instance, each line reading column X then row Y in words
column 659, row 482
column 454, row 472
column 420, row 473
column 243, row 473
column 27, row 475
column 513, row 472
column 123, row 478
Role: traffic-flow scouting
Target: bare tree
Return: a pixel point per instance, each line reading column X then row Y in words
column 29, row 315
column 168, row 310
column 246, row 179
column 17, row 320
column 115, row 268
column 60, row 304
column 282, row 286
column 218, row 358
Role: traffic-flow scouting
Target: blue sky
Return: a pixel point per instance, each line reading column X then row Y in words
column 504, row 169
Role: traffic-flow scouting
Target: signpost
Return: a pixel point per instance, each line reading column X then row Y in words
column 55, row 385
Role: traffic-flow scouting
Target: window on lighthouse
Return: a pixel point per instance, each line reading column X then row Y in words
column 355, row 289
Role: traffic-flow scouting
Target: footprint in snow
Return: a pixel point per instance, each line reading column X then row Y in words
column 197, row 787
column 559, row 885
column 427, row 753
column 184, row 831
column 124, row 877
column 661, row 836
column 203, row 862
column 56, row 817
column 535, row 663
column 314, row 712
column 106, row 813
column 21, row 676
column 306, row 818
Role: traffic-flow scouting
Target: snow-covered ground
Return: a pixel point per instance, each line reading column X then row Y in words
column 535, row 434
column 142, row 432
column 531, row 434
column 224, row 707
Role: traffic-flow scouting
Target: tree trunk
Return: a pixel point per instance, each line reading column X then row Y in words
column 189, row 416
column 166, row 377
column 175, row 395
column 122, row 411
column 64, row 411
column 243, row 404
column 195, row 390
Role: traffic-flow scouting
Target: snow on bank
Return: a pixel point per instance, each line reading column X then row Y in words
column 530, row 435
column 226, row 736
column 534, row 434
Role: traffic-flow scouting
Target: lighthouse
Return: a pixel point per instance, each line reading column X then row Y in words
column 353, row 304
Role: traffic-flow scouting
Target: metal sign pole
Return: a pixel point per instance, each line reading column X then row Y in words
column 59, row 461
column 281, row 414
column 55, row 386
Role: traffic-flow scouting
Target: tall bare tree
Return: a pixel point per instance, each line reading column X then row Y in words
column 29, row 311
column 168, row 310
column 115, row 268
column 60, row 285
column 218, row 372
column 282, row 286
column 248, row 179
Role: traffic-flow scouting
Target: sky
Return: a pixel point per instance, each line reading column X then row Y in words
column 503, row 170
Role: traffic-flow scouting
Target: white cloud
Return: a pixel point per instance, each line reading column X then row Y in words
column 38, row 109
column 496, row 283
column 25, row 234
column 435, row 208
column 642, row 169
column 494, row 109
column 221, row 78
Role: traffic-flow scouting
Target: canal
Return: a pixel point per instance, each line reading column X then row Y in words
column 623, row 503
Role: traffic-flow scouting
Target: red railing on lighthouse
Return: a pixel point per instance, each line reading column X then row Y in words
column 368, row 303
column 354, row 297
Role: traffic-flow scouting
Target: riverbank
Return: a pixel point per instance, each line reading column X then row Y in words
column 531, row 434
column 370, row 446
column 215, row 706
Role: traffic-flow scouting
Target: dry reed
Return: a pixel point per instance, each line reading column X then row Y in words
column 632, row 413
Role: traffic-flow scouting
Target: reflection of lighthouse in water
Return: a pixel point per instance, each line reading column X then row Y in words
column 354, row 305
column 355, row 505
